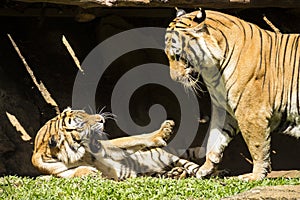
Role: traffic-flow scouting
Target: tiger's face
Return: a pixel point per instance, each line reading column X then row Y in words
column 81, row 124
column 190, row 48
column 74, row 126
column 183, row 67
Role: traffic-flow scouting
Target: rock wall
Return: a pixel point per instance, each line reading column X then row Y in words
column 173, row 3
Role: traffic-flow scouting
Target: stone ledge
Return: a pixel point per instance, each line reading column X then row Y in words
column 172, row 3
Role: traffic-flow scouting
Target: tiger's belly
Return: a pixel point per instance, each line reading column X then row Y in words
column 286, row 123
column 293, row 128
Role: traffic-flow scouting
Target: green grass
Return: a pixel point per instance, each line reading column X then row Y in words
column 13, row 187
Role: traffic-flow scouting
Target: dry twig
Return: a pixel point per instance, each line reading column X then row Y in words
column 14, row 121
column 72, row 53
column 247, row 159
column 41, row 87
column 275, row 29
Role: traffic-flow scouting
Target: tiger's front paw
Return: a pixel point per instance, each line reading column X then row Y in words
column 252, row 177
column 85, row 171
column 205, row 170
column 163, row 134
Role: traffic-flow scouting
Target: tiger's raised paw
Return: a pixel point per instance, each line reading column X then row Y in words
column 160, row 136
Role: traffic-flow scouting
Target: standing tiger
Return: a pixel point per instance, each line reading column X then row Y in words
column 73, row 144
column 252, row 76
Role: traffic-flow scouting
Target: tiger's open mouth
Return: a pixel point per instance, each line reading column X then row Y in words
column 192, row 80
column 195, row 75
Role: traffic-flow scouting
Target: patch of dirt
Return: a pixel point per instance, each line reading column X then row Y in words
column 269, row 192
column 273, row 192
column 286, row 174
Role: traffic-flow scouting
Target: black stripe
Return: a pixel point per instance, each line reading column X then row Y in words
column 292, row 55
column 242, row 27
column 228, row 60
column 280, row 68
column 230, row 133
column 229, row 88
column 181, row 22
column 297, row 91
column 284, row 87
column 238, row 102
column 260, row 53
column 187, row 153
column 194, row 154
column 195, row 170
column 228, row 17
column 263, row 57
column 251, row 29
column 225, row 53
column 223, row 17
column 160, row 155
column 122, row 174
column 269, row 92
column 270, row 40
column 46, row 134
column 218, row 21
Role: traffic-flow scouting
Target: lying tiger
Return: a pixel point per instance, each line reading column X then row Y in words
column 73, row 144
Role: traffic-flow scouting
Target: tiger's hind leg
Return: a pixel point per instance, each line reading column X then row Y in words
column 135, row 143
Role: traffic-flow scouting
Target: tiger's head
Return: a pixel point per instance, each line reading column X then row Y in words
column 80, row 122
column 190, row 47
column 74, row 126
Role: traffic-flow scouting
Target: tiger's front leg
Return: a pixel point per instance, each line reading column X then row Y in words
column 217, row 141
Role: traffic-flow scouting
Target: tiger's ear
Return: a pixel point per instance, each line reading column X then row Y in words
column 179, row 12
column 199, row 19
column 68, row 109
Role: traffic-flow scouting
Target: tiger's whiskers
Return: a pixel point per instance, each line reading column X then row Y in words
column 194, row 85
column 107, row 115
